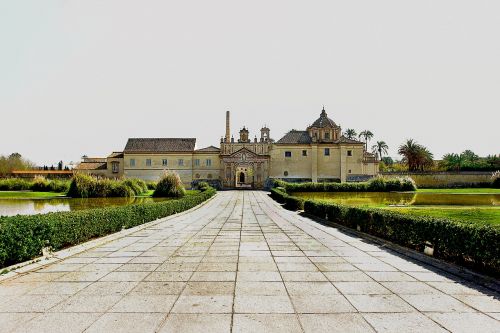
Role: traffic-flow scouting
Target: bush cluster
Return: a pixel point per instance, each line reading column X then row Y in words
column 293, row 203
column 471, row 245
column 377, row 184
column 38, row 184
column 151, row 185
column 170, row 186
column 23, row 237
column 495, row 179
column 86, row 186
column 202, row 186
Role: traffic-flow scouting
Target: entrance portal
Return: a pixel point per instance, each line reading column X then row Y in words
column 242, row 178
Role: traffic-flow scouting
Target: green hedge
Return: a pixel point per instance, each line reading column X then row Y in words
column 378, row 184
column 475, row 246
column 293, row 203
column 469, row 245
column 87, row 186
column 23, row 237
column 39, row 184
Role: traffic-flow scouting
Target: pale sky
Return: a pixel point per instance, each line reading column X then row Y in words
column 80, row 77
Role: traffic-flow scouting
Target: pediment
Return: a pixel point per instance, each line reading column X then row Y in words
column 244, row 155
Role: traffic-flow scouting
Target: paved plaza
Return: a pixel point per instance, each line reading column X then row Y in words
column 241, row 263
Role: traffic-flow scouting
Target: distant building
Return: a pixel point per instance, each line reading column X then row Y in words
column 319, row 153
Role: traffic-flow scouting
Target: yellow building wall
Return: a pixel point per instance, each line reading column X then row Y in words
column 298, row 166
column 203, row 170
column 316, row 165
column 153, row 172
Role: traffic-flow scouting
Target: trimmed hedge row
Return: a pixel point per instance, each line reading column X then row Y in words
column 23, row 237
column 378, row 184
column 292, row 203
column 475, row 246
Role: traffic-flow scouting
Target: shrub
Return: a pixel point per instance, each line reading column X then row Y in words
column 495, row 179
column 469, row 245
column 151, row 185
column 170, row 186
column 82, row 186
column 293, row 203
column 23, row 237
column 378, row 184
column 40, row 184
column 137, row 186
column 86, row 186
column 14, row 184
column 202, row 186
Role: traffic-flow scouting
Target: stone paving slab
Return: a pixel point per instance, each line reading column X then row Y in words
column 241, row 263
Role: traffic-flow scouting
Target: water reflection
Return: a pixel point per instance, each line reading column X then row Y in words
column 10, row 207
column 405, row 199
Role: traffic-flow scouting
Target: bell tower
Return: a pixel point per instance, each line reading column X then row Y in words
column 265, row 133
column 244, row 135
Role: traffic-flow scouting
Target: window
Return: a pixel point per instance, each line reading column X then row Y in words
column 288, row 154
column 148, row 162
column 196, row 162
column 115, row 167
column 349, row 153
column 327, row 151
column 209, row 176
column 209, row 162
column 181, row 162
column 349, row 170
column 132, row 162
column 327, row 136
column 304, row 153
column 164, row 162
column 285, row 173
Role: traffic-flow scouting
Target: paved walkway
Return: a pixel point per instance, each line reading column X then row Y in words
column 241, row 263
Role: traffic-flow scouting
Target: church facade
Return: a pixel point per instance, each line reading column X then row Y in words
column 319, row 153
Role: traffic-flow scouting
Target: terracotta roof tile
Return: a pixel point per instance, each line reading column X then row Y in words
column 137, row 145
column 91, row 166
column 294, row 137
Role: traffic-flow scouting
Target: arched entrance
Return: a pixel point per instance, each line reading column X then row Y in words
column 242, row 178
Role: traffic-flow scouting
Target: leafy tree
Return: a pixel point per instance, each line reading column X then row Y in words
column 367, row 136
column 470, row 156
column 387, row 160
column 452, row 161
column 14, row 162
column 350, row 134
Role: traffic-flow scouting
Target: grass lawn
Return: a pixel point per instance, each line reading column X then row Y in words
column 27, row 194
column 460, row 190
column 483, row 215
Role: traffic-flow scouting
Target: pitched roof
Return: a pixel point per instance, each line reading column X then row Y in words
column 295, row 137
column 91, row 166
column 94, row 159
column 324, row 121
column 209, row 149
column 116, row 154
column 139, row 145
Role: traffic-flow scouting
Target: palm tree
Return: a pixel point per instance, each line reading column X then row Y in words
column 452, row 161
column 416, row 156
column 367, row 135
column 381, row 147
column 350, row 134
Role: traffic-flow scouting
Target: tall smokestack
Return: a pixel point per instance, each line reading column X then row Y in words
column 228, row 127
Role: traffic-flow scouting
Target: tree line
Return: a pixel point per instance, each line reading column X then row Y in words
column 416, row 157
